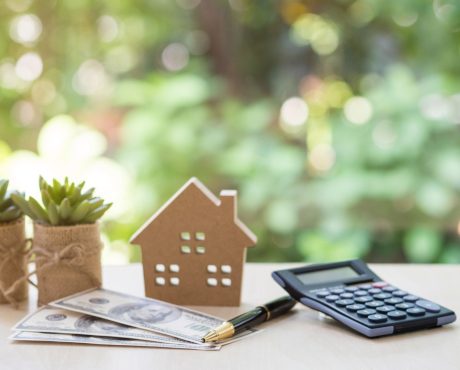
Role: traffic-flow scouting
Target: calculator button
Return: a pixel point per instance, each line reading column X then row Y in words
column 374, row 304
column 393, row 300
column 337, row 291
column 363, row 299
column 379, row 284
column 416, row 311
column 404, row 306
column 385, row 309
column 332, row 298
column 400, row 293
column 355, row 307
column 382, row 296
column 366, row 312
column 344, row 302
column 351, row 289
column 427, row 305
column 410, row 298
column 374, row 291
column 396, row 315
column 365, row 286
column 346, row 295
column 389, row 288
column 322, row 294
column 360, row 293
column 378, row 317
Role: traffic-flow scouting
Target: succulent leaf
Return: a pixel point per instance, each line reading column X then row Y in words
column 97, row 213
column 53, row 214
column 63, row 203
column 9, row 211
column 65, row 209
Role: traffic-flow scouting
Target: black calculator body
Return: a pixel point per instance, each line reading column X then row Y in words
column 353, row 294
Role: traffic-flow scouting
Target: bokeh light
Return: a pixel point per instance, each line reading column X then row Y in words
column 175, row 56
column 91, row 78
column 358, row 110
column 384, row 135
column 25, row 28
column 322, row 157
column 314, row 30
column 25, row 113
column 108, row 28
column 29, row 66
column 405, row 19
column 294, row 112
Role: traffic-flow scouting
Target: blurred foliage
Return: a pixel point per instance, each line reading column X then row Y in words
column 338, row 122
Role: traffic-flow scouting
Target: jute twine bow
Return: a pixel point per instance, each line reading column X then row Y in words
column 72, row 255
column 12, row 255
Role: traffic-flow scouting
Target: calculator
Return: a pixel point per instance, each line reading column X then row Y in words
column 353, row 294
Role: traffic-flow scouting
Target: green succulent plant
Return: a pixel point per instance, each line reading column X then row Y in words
column 8, row 210
column 63, row 204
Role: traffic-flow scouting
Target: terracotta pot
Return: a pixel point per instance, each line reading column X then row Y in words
column 67, row 258
column 13, row 261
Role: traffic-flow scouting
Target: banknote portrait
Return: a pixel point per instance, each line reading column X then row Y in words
column 146, row 313
column 87, row 321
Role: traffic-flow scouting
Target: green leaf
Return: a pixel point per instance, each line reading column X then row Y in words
column 80, row 212
column 42, row 183
column 3, row 188
column 53, row 214
column 75, row 196
column 95, row 203
column 87, row 194
column 54, row 193
column 46, row 198
column 38, row 210
column 22, row 203
column 10, row 214
column 65, row 209
column 97, row 213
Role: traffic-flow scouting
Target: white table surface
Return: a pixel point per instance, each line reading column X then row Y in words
column 299, row 340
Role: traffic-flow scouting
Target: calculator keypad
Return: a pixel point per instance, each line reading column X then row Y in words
column 377, row 303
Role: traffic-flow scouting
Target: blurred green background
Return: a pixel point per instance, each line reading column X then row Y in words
column 338, row 122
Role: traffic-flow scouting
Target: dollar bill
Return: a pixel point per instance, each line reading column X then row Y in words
column 143, row 313
column 107, row 341
column 57, row 320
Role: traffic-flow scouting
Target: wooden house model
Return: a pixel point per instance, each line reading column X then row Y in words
column 194, row 248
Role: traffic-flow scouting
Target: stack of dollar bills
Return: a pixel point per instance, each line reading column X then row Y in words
column 104, row 317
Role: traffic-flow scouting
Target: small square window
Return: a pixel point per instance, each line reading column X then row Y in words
column 174, row 281
column 200, row 249
column 184, row 235
column 174, row 268
column 185, row 249
column 160, row 280
column 159, row 267
column 212, row 282
column 200, row 235
column 212, row 269
column 226, row 282
column 226, row 269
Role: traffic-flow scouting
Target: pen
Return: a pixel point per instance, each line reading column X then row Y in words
column 251, row 318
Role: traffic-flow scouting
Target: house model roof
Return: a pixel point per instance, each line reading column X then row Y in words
column 194, row 182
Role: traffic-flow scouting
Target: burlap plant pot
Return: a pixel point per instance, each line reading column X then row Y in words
column 13, row 261
column 67, row 259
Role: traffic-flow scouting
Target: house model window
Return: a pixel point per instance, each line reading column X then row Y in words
column 193, row 248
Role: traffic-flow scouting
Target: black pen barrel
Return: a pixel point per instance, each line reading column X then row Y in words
column 249, row 319
column 263, row 313
column 280, row 306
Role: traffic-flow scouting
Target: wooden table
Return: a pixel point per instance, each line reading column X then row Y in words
column 300, row 340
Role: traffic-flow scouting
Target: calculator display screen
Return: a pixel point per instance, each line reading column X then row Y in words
column 325, row 276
